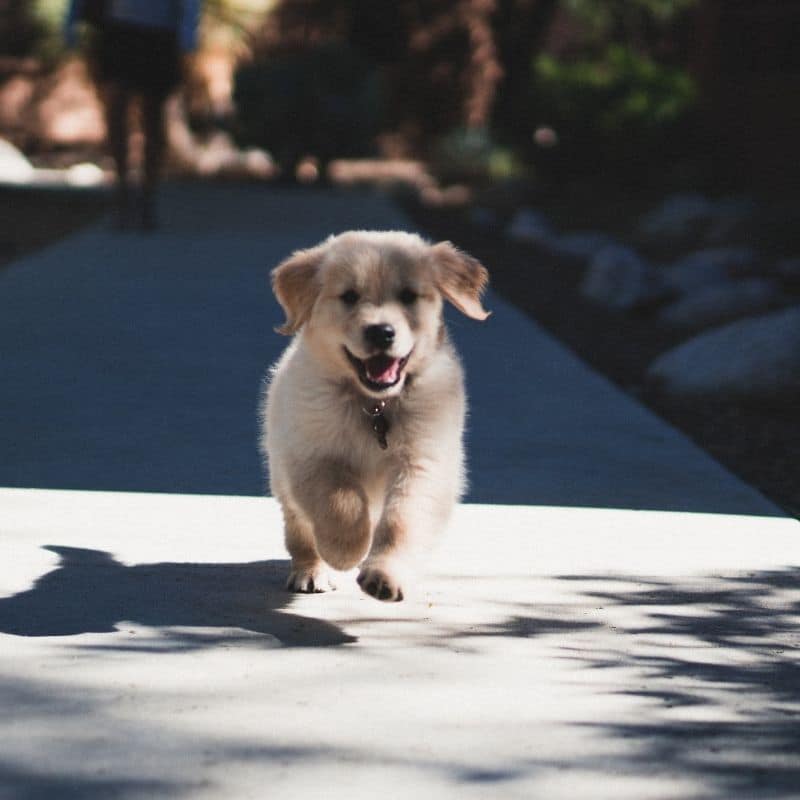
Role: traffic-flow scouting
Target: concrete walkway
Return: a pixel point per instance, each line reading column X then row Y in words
column 133, row 363
column 613, row 616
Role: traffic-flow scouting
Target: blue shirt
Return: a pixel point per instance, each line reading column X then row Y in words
column 181, row 16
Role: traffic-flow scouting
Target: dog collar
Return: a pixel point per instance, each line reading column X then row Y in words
column 380, row 425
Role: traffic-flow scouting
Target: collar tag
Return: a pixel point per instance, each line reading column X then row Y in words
column 380, row 425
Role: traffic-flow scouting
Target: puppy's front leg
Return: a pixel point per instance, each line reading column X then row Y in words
column 338, row 508
column 417, row 508
column 309, row 572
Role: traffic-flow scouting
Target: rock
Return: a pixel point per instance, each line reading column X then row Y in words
column 757, row 358
column 533, row 227
column 528, row 225
column 722, row 302
column 679, row 217
column 618, row 278
column 581, row 245
column 731, row 218
column 788, row 270
column 14, row 167
column 483, row 217
column 711, row 265
column 684, row 218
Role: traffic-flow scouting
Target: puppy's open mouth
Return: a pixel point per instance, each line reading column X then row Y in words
column 378, row 372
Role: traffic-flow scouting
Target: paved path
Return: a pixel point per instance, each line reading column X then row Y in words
column 568, row 646
column 134, row 363
column 147, row 650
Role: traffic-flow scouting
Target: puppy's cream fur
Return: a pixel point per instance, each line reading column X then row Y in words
column 345, row 499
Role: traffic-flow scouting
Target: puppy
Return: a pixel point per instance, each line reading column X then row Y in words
column 364, row 413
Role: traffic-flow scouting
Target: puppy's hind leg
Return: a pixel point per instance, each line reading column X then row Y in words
column 309, row 572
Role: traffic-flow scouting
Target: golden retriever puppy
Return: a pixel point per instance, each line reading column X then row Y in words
column 364, row 413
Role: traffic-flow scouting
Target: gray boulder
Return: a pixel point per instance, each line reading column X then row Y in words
column 533, row 227
column 483, row 217
column 692, row 217
column 788, row 270
column 618, row 278
column 580, row 245
column 755, row 358
column 732, row 218
column 679, row 217
column 711, row 265
column 722, row 302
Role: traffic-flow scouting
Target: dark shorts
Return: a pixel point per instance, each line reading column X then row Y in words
column 143, row 59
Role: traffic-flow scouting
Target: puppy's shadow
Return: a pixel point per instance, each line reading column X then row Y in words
column 194, row 605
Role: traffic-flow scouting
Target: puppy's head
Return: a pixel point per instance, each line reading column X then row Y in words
column 369, row 304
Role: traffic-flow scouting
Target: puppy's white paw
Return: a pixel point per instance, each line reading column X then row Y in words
column 381, row 582
column 310, row 580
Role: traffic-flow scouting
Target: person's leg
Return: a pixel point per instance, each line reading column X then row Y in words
column 116, row 99
column 154, row 146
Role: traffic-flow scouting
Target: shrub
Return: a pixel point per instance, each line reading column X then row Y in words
column 621, row 106
column 323, row 101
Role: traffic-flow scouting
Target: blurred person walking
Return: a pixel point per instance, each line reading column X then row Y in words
column 135, row 51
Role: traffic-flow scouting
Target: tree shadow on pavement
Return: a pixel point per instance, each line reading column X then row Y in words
column 726, row 644
column 21, row 784
column 46, row 754
column 192, row 606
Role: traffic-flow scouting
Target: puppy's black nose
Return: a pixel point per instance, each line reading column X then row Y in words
column 380, row 336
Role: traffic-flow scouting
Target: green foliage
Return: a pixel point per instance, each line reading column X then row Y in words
column 471, row 153
column 615, row 105
column 23, row 28
column 620, row 91
column 50, row 12
column 229, row 23
column 605, row 19
column 49, row 15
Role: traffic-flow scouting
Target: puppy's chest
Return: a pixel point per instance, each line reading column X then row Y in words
column 366, row 434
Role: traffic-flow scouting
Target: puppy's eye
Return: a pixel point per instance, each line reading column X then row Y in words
column 350, row 297
column 408, row 297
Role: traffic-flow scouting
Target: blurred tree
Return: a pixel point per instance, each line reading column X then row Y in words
column 606, row 84
column 20, row 28
column 643, row 24
column 620, row 94
column 450, row 65
column 437, row 59
column 521, row 28
column 228, row 23
column 324, row 102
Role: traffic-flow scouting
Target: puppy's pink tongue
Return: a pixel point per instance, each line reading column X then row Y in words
column 382, row 369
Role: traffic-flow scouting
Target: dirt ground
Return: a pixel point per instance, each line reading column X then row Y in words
column 760, row 444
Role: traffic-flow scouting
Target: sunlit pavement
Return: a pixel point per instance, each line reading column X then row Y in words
column 617, row 618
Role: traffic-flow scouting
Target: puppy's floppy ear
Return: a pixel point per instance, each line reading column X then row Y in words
column 461, row 279
column 296, row 286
